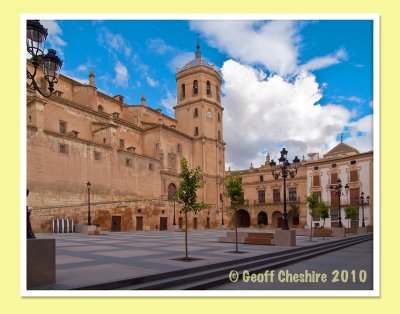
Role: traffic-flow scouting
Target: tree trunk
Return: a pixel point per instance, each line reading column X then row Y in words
column 323, row 227
column 312, row 220
column 236, row 233
column 186, row 238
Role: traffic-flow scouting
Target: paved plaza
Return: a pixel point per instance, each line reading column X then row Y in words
column 83, row 260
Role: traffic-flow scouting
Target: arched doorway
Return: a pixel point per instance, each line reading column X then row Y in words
column 277, row 219
column 293, row 218
column 171, row 191
column 262, row 218
column 242, row 218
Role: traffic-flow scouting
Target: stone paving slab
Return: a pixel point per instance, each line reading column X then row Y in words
column 89, row 259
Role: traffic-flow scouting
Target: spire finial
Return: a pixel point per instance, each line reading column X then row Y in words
column 143, row 100
column 198, row 53
column 92, row 81
column 341, row 138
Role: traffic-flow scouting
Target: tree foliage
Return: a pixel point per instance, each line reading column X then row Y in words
column 234, row 191
column 351, row 213
column 313, row 204
column 323, row 210
column 191, row 181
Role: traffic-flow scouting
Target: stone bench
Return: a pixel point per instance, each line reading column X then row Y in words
column 260, row 238
column 322, row 232
column 351, row 230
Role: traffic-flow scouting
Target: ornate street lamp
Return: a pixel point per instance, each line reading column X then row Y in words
column 362, row 201
column 36, row 36
column 89, row 220
column 174, row 223
column 337, row 189
column 283, row 169
column 222, row 208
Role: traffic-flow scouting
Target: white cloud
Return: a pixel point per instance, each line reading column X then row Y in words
column 325, row 61
column 121, row 75
column 159, row 46
column 152, row 82
column 264, row 115
column 54, row 40
column 180, row 60
column 273, row 44
column 114, row 43
column 169, row 102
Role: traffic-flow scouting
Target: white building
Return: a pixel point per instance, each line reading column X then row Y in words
column 351, row 167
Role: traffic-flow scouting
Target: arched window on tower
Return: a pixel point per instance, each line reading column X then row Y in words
column 217, row 89
column 195, row 87
column 100, row 108
column 208, row 88
column 183, row 91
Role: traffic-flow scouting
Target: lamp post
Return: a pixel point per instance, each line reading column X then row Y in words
column 89, row 221
column 337, row 189
column 222, row 208
column 36, row 36
column 283, row 169
column 362, row 201
column 174, row 223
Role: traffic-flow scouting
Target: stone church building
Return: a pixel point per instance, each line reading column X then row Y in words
column 130, row 153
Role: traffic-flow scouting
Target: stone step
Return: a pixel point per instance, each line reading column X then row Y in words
column 190, row 278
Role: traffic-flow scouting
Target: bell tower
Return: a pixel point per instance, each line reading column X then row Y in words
column 199, row 115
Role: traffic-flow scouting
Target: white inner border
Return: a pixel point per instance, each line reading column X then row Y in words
column 206, row 293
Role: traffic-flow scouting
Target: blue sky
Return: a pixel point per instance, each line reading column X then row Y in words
column 297, row 84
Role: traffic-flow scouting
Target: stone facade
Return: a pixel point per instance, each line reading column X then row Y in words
column 351, row 167
column 130, row 153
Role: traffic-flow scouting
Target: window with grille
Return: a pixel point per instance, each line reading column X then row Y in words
column 128, row 162
column 276, row 195
column 97, row 155
column 63, row 127
column 261, row 197
column 63, row 149
column 292, row 195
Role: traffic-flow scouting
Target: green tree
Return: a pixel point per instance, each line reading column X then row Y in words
column 351, row 213
column 235, row 193
column 313, row 204
column 323, row 210
column 191, row 181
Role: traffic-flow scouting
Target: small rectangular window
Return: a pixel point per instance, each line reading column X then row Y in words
column 151, row 166
column 334, row 178
column 196, row 131
column 97, row 156
column 121, row 143
column 316, row 180
column 353, row 176
column 292, row 195
column 261, row 197
column 63, row 127
column 261, row 178
column 276, row 195
column 128, row 162
column 63, row 149
column 196, row 112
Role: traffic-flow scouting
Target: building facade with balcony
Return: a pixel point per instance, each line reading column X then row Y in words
column 351, row 167
column 263, row 206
